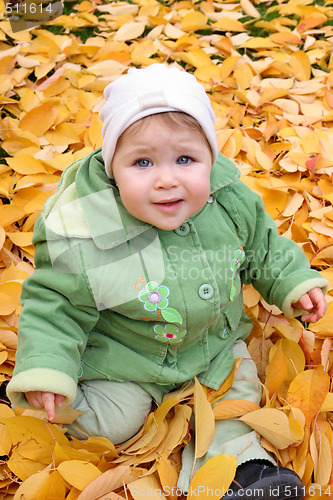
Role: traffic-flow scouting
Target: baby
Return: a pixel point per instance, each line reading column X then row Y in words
column 140, row 260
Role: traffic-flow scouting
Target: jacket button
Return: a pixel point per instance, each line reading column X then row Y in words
column 210, row 199
column 206, row 291
column 183, row 230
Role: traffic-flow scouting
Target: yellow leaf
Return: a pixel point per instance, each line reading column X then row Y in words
column 57, row 87
column 78, row 473
column 300, row 66
column 9, row 297
column 231, row 408
column 204, row 420
column 196, row 57
column 325, row 324
column 22, row 428
column 276, row 371
column 163, row 409
column 21, row 239
column 228, row 24
column 308, row 392
column 37, row 452
column 322, row 456
column 311, row 21
column 194, row 21
column 213, row 479
column 22, row 467
column 225, row 387
column 25, row 164
column 249, row 9
column 208, row 73
column 108, row 481
column 5, row 441
column 63, row 134
column 285, row 38
column 2, row 236
column 97, row 444
column 328, row 403
column 146, row 488
column 39, row 119
column 243, row 75
column 273, row 425
column 5, row 410
column 325, row 352
column 168, row 476
column 178, row 428
column 53, row 488
column 30, row 488
column 173, row 32
column 3, row 357
column 129, row 31
column 294, row 203
column 10, row 214
column 259, row 43
column 294, row 356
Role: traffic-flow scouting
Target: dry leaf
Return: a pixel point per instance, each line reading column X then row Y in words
column 78, row 473
column 213, row 479
column 204, row 421
column 308, row 392
column 272, row 424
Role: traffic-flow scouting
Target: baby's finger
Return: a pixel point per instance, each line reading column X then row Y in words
column 305, row 302
column 35, row 398
column 59, row 399
column 319, row 301
column 48, row 401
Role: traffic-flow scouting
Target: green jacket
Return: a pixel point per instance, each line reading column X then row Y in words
column 114, row 298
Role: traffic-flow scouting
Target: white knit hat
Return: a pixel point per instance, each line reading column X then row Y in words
column 155, row 89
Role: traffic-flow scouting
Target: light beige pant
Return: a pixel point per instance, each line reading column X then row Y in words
column 232, row 437
column 117, row 410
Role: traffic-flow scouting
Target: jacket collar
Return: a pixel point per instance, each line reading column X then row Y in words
column 224, row 172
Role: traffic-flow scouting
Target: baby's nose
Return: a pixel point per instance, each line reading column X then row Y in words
column 166, row 177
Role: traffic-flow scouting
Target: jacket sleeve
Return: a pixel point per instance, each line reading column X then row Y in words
column 58, row 314
column 275, row 265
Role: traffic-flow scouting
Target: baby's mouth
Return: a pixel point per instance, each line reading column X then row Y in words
column 169, row 204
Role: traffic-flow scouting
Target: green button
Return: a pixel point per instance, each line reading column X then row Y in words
column 183, row 230
column 206, row 291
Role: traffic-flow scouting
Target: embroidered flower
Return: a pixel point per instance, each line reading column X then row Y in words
column 169, row 333
column 234, row 266
column 154, row 296
column 236, row 262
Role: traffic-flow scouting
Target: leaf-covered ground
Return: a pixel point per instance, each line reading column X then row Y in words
column 268, row 68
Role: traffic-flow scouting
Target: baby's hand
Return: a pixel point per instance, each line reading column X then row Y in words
column 314, row 302
column 46, row 400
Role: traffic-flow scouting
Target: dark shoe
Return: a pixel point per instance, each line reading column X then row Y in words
column 259, row 481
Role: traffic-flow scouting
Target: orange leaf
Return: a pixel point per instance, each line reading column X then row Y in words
column 9, row 297
column 39, row 119
column 308, row 392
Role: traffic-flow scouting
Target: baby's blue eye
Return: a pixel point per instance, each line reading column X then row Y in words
column 143, row 163
column 184, row 160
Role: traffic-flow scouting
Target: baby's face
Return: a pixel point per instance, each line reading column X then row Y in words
column 162, row 172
